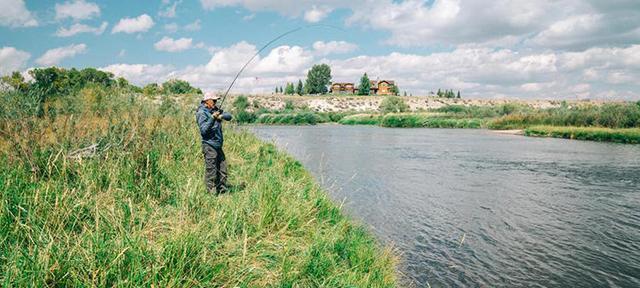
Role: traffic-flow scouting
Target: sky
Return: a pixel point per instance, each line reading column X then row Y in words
column 543, row 49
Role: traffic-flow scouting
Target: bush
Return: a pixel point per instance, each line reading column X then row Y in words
column 241, row 103
column 291, row 118
column 628, row 135
column 393, row 104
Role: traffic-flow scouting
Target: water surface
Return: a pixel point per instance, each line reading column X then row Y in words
column 471, row 208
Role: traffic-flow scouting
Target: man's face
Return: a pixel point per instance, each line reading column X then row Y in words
column 210, row 103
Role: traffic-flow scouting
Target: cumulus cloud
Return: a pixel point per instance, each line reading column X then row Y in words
column 173, row 45
column 141, row 23
column 77, row 10
column 14, row 13
column 140, row 74
column 315, row 14
column 78, row 28
column 55, row 56
column 333, row 47
column 12, row 59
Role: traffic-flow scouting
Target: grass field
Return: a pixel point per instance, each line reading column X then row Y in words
column 106, row 190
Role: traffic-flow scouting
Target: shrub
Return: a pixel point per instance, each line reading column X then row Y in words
column 393, row 104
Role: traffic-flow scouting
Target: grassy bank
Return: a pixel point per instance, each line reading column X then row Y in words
column 623, row 135
column 412, row 120
column 106, row 190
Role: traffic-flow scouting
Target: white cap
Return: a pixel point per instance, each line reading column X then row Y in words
column 210, row 96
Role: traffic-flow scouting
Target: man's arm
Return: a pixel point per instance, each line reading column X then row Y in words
column 204, row 121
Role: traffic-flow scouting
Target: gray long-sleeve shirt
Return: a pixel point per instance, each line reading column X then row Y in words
column 210, row 128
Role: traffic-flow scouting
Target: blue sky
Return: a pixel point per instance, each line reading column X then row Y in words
column 569, row 49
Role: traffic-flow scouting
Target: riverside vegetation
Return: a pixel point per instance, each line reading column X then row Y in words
column 611, row 122
column 103, row 187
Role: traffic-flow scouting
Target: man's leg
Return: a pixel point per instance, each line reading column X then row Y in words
column 221, row 176
column 210, row 171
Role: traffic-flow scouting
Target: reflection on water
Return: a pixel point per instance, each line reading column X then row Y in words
column 473, row 208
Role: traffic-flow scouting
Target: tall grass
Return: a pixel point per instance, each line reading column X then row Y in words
column 111, row 194
column 628, row 135
column 611, row 115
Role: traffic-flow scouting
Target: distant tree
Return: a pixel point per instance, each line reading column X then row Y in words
column 439, row 93
column 281, row 90
column 365, row 85
column 276, row 90
column 290, row 90
column 458, row 94
column 395, row 90
column 151, row 89
column 122, row 83
column 318, row 78
column 300, row 88
column 405, row 93
column 177, row 86
column 15, row 81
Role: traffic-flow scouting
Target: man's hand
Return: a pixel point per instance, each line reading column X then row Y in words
column 216, row 115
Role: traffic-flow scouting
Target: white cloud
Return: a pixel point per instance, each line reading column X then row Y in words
column 333, row 47
column 170, row 45
column 12, row 59
column 140, row 74
column 77, row 10
column 55, row 56
column 122, row 53
column 193, row 26
column 81, row 28
column 141, row 23
column 249, row 17
column 171, row 27
column 315, row 14
column 169, row 11
column 14, row 13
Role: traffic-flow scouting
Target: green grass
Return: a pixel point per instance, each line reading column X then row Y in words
column 414, row 120
column 361, row 119
column 623, row 135
column 134, row 211
column 295, row 118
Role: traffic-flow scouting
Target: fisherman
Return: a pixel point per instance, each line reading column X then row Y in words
column 209, row 118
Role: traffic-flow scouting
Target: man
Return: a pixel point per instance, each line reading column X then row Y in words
column 209, row 118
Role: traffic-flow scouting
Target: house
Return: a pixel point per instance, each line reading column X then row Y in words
column 381, row 87
column 342, row 88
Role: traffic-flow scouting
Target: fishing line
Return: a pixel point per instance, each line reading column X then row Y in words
column 267, row 45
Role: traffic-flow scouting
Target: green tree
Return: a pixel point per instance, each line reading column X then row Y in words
column 439, row 93
column 281, row 90
column 395, row 90
column 15, row 81
column 300, row 88
column 276, row 89
column 290, row 90
column 393, row 104
column 177, row 86
column 151, row 89
column 318, row 78
column 458, row 94
column 365, row 85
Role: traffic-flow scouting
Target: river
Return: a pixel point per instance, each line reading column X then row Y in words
column 471, row 208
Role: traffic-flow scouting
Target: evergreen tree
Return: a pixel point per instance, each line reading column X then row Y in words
column 365, row 85
column 281, row 90
column 300, row 89
column 289, row 90
column 405, row 93
column 439, row 93
column 318, row 78
column 395, row 90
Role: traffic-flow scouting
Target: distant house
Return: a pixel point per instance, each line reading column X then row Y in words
column 342, row 88
column 381, row 87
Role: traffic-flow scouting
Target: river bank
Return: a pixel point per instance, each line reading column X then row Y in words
column 108, row 192
column 596, row 121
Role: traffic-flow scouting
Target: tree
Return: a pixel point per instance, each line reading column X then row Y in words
column 300, row 88
column 318, row 78
column 395, row 90
column 289, row 90
column 439, row 93
column 458, row 94
column 151, row 89
column 177, row 86
column 15, row 81
column 276, row 89
column 365, row 85
column 405, row 93
column 281, row 90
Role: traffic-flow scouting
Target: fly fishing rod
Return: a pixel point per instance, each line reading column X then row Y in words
column 267, row 45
